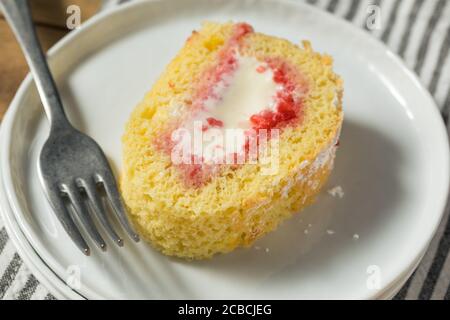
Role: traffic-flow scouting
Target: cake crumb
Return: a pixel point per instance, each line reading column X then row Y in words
column 306, row 231
column 309, row 225
column 330, row 232
column 356, row 236
column 257, row 248
column 267, row 249
column 336, row 192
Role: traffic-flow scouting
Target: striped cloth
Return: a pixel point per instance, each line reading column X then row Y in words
column 419, row 31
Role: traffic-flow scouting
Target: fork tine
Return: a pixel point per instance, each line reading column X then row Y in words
column 65, row 219
column 91, row 191
column 110, row 185
column 81, row 209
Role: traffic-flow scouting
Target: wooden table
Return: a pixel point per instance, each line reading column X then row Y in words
column 50, row 18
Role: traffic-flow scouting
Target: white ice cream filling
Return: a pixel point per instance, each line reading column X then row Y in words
column 248, row 90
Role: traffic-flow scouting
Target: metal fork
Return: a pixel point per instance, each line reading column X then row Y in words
column 73, row 168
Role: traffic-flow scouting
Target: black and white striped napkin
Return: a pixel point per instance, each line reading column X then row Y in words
column 419, row 31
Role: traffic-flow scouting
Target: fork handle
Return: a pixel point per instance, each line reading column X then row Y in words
column 18, row 15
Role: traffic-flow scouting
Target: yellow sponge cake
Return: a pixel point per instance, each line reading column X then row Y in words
column 238, row 133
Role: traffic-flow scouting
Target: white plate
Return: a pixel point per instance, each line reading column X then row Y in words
column 393, row 162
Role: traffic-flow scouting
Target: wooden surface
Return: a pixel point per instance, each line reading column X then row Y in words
column 50, row 18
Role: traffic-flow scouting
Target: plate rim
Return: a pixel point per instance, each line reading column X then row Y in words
column 433, row 112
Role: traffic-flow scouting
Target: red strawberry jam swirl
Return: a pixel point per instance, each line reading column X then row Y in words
column 287, row 110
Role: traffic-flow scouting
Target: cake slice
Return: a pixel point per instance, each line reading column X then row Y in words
column 238, row 133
